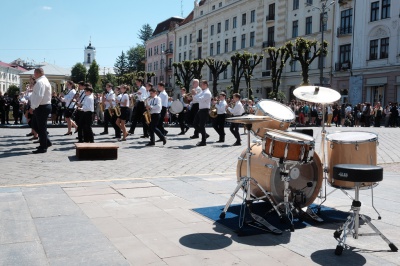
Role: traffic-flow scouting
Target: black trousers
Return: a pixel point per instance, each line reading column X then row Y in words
column 137, row 116
column 3, row 116
column 80, row 123
column 199, row 123
column 154, row 129
column 86, row 124
column 160, row 124
column 192, row 113
column 218, row 124
column 112, row 120
column 234, row 128
column 107, row 119
column 39, row 124
column 181, row 120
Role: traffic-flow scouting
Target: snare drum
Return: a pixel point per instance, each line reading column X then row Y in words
column 351, row 148
column 305, row 182
column 289, row 146
column 281, row 116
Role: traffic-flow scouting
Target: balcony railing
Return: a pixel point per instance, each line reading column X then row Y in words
column 199, row 39
column 270, row 17
column 168, row 68
column 169, row 51
column 344, row 31
column 268, row 44
column 341, row 66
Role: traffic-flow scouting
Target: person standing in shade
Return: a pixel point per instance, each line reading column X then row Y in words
column 219, row 121
column 41, row 108
column 199, row 123
column 87, row 110
column 139, row 108
column 164, row 105
column 154, row 107
column 237, row 110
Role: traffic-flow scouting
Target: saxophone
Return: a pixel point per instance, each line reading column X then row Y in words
column 147, row 114
column 117, row 110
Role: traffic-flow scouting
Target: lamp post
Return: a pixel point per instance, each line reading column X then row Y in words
column 323, row 20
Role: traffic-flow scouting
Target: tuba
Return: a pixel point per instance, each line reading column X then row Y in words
column 147, row 114
column 213, row 111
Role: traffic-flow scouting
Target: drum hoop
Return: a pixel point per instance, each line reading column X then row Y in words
column 299, row 141
column 172, row 108
column 274, row 117
column 374, row 139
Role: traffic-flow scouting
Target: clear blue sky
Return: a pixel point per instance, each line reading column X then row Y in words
column 58, row 30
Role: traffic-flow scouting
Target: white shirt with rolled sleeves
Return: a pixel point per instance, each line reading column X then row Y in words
column 155, row 105
column 124, row 101
column 204, row 99
column 68, row 98
column 237, row 110
column 144, row 93
column 221, row 107
column 110, row 96
column 88, row 104
column 164, row 98
column 41, row 94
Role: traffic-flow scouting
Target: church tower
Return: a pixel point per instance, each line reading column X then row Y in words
column 89, row 55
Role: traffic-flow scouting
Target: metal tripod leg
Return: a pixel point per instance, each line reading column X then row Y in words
column 239, row 185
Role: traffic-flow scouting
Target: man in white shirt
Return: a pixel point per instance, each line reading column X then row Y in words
column 164, row 105
column 139, row 108
column 182, row 115
column 219, row 121
column 194, row 106
column 87, row 110
column 41, row 108
column 154, row 106
column 237, row 110
column 108, row 101
column 204, row 100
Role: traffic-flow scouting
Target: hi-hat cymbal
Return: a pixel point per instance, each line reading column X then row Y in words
column 316, row 94
column 248, row 119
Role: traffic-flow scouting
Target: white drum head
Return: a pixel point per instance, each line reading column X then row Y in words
column 276, row 110
column 290, row 137
column 352, row 137
column 176, row 107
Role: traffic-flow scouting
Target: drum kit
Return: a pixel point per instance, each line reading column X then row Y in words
column 282, row 166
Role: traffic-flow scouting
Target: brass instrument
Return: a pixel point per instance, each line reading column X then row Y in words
column 213, row 111
column 101, row 104
column 111, row 110
column 117, row 110
column 231, row 105
column 187, row 98
column 132, row 100
column 147, row 114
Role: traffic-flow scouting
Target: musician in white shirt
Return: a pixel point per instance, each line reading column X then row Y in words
column 154, row 106
column 164, row 105
column 219, row 121
column 237, row 110
column 199, row 123
column 69, row 106
column 194, row 105
column 87, row 109
column 79, row 113
column 41, row 108
column 182, row 115
column 109, row 101
column 139, row 108
column 124, row 107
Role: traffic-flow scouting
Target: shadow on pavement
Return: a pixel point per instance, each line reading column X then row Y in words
column 328, row 257
column 201, row 241
column 13, row 154
column 183, row 147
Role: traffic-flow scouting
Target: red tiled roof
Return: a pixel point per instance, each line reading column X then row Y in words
column 8, row 65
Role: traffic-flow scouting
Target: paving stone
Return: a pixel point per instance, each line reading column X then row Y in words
column 23, row 253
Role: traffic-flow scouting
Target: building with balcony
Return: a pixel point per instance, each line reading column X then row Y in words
column 160, row 52
column 9, row 75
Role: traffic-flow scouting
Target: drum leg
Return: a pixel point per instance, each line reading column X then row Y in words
column 242, row 181
column 372, row 201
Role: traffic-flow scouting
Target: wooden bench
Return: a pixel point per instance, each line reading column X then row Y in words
column 96, row 151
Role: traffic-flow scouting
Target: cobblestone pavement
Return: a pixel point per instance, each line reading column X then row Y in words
column 137, row 210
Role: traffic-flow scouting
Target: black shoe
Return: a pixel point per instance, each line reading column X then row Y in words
column 182, row 133
column 36, row 141
column 103, row 133
column 68, row 133
column 186, row 129
column 165, row 133
column 201, row 144
column 41, row 150
column 34, row 138
column 81, row 141
column 116, row 137
column 159, row 140
column 150, row 144
column 207, row 136
column 164, row 141
column 77, row 138
column 144, row 136
column 131, row 132
column 30, row 134
column 194, row 137
column 220, row 141
column 237, row 144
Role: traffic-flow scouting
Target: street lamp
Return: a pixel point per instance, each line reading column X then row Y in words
column 323, row 19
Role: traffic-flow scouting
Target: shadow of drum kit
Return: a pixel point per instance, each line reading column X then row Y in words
column 282, row 167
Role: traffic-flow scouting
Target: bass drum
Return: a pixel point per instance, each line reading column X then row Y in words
column 267, row 174
column 176, row 107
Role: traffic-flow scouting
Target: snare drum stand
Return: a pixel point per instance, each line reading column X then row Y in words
column 245, row 184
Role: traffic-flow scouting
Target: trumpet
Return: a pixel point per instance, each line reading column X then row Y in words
column 147, row 114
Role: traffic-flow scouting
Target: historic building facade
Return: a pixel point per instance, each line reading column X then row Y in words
column 9, row 75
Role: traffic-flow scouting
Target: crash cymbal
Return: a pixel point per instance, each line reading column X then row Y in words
column 316, row 94
column 248, row 119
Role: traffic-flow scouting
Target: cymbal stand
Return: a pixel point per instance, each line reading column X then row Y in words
column 245, row 183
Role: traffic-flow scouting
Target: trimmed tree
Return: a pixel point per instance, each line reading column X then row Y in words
column 216, row 67
column 249, row 62
column 186, row 71
column 78, row 73
column 237, row 72
column 278, row 58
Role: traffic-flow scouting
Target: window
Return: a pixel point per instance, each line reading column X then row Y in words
column 373, row 49
column 213, row 7
column 233, row 43
column 170, row 62
column 212, row 30
column 218, row 47
column 185, row 40
column 293, row 66
column 374, row 11
column 200, row 36
column 226, row 24
column 180, row 41
column 271, row 36
column 308, row 25
column 385, row 9
column 268, row 64
column 219, row 27
column 190, row 38
column 384, row 48
column 180, row 58
column 244, row 19
column 321, row 61
column 295, row 4
column 271, row 11
column 252, row 35
column 309, row 2
column 190, row 55
column 211, row 49
column 201, row 13
column 346, row 21
column 344, row 53
column 234, row 22
column 252, row 16
column 243, row 43
column 220, row 4
column 184, row 56
column 295, row 29
column 199, row 52
column 225, row 73
column 226, row 46
column 171, row 45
